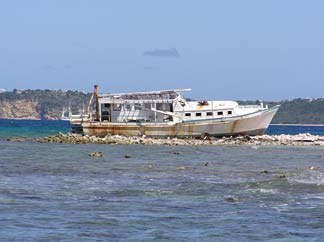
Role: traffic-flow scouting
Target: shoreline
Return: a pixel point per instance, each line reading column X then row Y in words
column 305, row 139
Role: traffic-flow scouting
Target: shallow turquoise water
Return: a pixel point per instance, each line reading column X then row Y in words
column 57, row 192
column 31, row 128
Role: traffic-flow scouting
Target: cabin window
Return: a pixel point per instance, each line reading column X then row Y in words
column 138, row 106
column 147, row 105
column 105, row 116
column 188, row 114
column 219, row 113
column 229, row 113
column 159, row 106
column 106, row 105
column 163, row 106
column 209, row 113
column 117, row 107
column 128, row 107
column 198, row 114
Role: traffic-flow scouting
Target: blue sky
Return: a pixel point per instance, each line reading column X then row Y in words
column 251, row 49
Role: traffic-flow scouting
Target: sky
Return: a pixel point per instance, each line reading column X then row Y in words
column 223, row 50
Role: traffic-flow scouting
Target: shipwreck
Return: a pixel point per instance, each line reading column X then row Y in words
column 167, row 113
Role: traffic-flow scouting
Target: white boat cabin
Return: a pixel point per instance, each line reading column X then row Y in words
column 164, row 106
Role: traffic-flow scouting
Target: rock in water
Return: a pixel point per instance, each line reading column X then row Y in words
column 96, row 154
column 264, row 172
column 16, row 139
column 312, row 168
column 230, row 199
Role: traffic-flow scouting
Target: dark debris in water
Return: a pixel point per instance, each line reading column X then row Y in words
column 230, row 199
column 282, row 176
column 175, row 152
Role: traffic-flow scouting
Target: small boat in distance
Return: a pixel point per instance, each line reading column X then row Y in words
column 167, row 113
column 74, row 119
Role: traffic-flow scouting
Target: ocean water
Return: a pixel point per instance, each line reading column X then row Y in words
column 287, row 129
column 31, row 128
column 56, row 192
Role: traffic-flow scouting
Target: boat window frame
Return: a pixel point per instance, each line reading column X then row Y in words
column 117, row 107
column 220, row 113
column 126, row 105
column 147, row 106
column 199, row 114
column 137, row 106
column 209, row 113
column 159, row 106
column 187, row 114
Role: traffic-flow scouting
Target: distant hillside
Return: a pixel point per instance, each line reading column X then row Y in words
column 40, row 104
column 297, row 111
column 301, row 111
column 48, row 104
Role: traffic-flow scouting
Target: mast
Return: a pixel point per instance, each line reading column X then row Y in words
column 70, row 112
column 95, row 93
column 97, row 101
column 63, row 113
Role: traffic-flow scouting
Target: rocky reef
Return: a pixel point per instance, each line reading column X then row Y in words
column 288, row 140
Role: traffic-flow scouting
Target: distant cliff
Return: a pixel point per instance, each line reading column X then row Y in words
column 48, row 104
column 40, row 104
column 22, row 109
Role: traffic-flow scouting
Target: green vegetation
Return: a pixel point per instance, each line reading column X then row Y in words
column 297, row 111
column 301, row 111
column 51, row 102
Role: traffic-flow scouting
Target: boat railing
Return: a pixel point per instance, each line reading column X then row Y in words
column 249, row 106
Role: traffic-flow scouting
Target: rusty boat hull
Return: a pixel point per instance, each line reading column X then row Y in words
column 250, row 124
